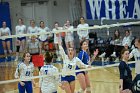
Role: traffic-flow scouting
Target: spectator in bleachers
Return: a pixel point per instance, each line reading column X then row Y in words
column 114, row 48
column 126, row 42
column 5, row 31
column 69, row 35
column 20, row 42
column 83, row 34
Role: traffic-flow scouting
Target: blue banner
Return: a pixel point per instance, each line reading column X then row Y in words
column 113, row 9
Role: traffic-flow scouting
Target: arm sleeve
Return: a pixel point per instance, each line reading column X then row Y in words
column 62, row 52
column 121, row 70
column 80, row 64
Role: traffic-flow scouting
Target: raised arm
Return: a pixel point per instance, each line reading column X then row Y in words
column 62, row 52
column 80, row 64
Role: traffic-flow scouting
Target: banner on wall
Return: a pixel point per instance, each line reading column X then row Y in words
column 113, row 9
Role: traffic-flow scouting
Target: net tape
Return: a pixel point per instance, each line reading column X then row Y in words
column 76, row 29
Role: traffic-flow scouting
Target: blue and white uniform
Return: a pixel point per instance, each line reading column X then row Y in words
column 20, row 29
column 136, row 53
column 83, row 33
column 23, row 72
column 84, row 57
column 5, row 32
column 49, row 83
column 70, row 65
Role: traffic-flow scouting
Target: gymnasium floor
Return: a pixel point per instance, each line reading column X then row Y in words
column 102, row 80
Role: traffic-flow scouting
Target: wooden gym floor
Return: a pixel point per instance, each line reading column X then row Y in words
column 101, row 80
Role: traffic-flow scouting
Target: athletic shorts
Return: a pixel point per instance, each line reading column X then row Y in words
column 21, row 38
column 68, row 78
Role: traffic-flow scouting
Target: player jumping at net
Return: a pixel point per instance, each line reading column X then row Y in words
column 69, row 64
column 49, row 83
column 25, row 70
column 83, row 75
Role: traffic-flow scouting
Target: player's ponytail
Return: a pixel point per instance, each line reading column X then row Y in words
column 48, row 57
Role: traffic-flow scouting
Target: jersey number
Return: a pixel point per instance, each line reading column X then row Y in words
column 69, row 66
column 137, row 88
column 46, row 71
column 27, row 73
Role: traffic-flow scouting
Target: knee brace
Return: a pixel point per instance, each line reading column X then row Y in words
column 88, row 89
column 18, row 47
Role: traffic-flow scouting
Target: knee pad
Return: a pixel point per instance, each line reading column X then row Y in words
column 88, row 89
column 18, row 47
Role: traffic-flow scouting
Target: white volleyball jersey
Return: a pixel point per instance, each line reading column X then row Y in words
column 20, row 29
column 136, row 53
column 5, row 32
column 49, row 83
column 32, row 29
column 70, row 65
column 58, row 36
column 23, row 71
column 83, row 33
column 43, row 30
column 69, row 35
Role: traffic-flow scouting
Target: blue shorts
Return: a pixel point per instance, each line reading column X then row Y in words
column 7, row 39
column 28, row 87
column 77, row 68
column 21, row 38
column 83, row 72
column 43, row 41
column 68, row 78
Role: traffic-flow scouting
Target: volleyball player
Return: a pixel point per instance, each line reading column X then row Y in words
column 125, row 71
column 23, row 71
column 136, row 84
column 32, row 28
column 44, row 37
column 57, row 36
column 5, row 31
column 69, row 64
column 69, row 35
column 83, row 34
column 83, row 76
column 49, row 83
column 20, row 42
column 136, row 53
